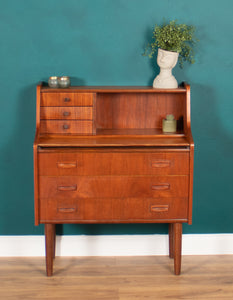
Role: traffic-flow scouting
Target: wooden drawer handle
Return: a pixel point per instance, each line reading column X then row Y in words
column 67, row 188
column 66, row 113
column 160, row 163
column 67, row 99
column 66, row 209
column 161, row 186
column 159, row 208
column 68, row 165
column 66, row 126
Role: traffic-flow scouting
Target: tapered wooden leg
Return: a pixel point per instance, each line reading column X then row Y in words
column 171, row 241
column 177, row 232
column 49, row 247
column 54, row 241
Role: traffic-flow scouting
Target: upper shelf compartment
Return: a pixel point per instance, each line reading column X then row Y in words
column 115, row 111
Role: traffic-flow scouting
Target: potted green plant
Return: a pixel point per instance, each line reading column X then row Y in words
column 173, row 41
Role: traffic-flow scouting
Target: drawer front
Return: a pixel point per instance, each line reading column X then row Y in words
column 113, row 187
column 66, row 113
column 66, row 127
column 67, row 99
column 113, row 163
column 114, row 209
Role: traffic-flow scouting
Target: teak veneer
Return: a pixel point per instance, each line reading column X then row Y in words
column 100, row 156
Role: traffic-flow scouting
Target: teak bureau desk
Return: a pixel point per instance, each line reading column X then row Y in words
column 100, row 156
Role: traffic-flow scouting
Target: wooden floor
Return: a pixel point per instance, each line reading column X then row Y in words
column 124, row 278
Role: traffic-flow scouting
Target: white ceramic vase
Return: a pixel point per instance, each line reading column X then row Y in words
column 166, row 60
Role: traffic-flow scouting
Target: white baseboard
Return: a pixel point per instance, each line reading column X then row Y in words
column 116, row 245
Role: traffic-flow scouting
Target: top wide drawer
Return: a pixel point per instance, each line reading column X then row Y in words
column 84, row 163
column 67, row 99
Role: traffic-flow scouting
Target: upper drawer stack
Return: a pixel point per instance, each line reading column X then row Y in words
column 67, row 113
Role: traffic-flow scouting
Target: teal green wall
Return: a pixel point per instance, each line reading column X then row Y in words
column 100, row 42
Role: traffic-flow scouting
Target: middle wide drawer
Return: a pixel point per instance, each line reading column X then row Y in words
column 64, row 187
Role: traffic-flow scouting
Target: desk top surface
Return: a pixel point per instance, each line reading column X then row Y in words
column 111, row 141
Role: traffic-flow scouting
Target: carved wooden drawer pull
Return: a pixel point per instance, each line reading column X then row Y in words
column 67, row 165
column 161, row 186
column 66, row 209
column 67, row 99
column 160, row 163
column 67, row 188
column 159, row 208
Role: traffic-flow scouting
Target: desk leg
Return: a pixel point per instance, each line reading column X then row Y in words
column 177, row 233
column 54, row 241
column 171, row 241
column 49, row 247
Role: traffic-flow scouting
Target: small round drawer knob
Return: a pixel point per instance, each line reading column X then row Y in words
column 67, row 99
column 66, row 126
column 66, row 113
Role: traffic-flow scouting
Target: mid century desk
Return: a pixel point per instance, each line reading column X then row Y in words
column 100, row 156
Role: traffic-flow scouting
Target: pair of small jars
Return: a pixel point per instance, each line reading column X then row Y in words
column 59, row 82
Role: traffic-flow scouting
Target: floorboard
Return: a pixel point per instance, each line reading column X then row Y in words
column 117, row 278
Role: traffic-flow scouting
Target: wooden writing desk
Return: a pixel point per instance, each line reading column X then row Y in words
column 100, row 156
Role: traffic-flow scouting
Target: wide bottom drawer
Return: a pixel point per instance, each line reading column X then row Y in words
column 113, row 210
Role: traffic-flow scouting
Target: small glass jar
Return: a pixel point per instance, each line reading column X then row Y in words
column 64, row 81
column 169, row 124
column 53, row 82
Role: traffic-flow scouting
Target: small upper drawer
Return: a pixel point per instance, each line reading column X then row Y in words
column 109, row 162
column 67, row 99
column 66, row 127
column 66, row 113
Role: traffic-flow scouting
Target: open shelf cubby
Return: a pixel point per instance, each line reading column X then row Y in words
column 138, row 113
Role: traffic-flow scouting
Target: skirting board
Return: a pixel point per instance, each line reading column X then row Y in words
column 116, row 245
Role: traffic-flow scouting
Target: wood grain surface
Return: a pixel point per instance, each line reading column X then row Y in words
column 117, row 278
column 110, row 141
